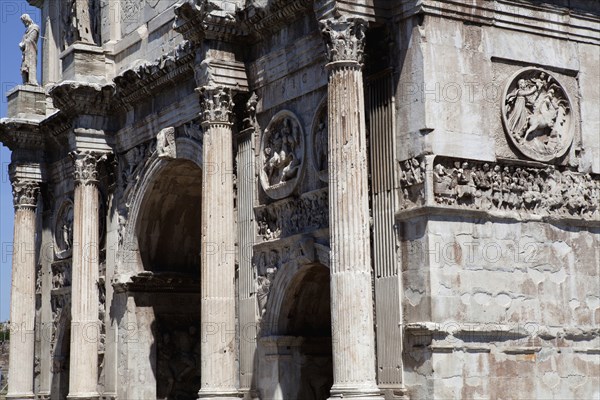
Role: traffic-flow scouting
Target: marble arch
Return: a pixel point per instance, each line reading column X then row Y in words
column 430, row 161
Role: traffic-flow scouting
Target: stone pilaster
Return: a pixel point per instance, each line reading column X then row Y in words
column 351, row 287
column 22, row 303
column 85, row 329
column 219, row 374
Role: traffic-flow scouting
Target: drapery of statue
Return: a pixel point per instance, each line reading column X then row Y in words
column 29, row 48
column 80, row 22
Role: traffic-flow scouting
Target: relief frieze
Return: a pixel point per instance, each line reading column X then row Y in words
column 292, row 216
column 523, row 190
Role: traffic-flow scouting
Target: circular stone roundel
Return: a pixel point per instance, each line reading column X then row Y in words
column 537, row 115
column 281, row 155
column 63, row 230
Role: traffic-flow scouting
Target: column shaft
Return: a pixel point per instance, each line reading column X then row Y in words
column 85, row 329
column 351, row 285
column 219, row 374
column 22, row 304
column 246, row 234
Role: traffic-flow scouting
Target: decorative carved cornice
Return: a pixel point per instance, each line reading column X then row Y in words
column 144, row 80
column 273, row 17
column 217, row 105
column 345, row 39
column 25, row 194
column 77, row 98
column 56, row 124
column 21, row 134
column 199, row 19
column 85, row 163
column 189, row 19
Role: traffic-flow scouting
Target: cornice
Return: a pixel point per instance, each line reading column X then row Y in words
column 199, row 20
column 19, row 134
column 143, row 80
column 262, row 21
column 545, row 19
column 226, row 28
column 83, row 98
column 56, row 124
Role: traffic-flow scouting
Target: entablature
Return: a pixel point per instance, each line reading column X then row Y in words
column 553, row 19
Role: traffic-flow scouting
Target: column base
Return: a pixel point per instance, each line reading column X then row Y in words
column 355, row 393
column 20, row 396
column 212, row 394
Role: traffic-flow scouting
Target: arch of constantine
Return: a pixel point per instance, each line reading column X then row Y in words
column 306, row 200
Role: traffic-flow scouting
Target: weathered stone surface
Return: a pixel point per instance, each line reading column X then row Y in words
column 27, row 102
column 280, row 199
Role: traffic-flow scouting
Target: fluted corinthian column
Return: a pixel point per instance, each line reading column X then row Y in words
column 22, row 301
column 351, row 287
column 219, row 377
column 85, row 329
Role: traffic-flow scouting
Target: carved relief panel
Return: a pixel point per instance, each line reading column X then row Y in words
column 537, row 115
column 282, row 155
column 320, row 142
column 63, row 230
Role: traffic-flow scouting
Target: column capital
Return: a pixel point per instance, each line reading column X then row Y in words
column 86, row 166
column 217, row 105
column 25, row 194
column 345, row 40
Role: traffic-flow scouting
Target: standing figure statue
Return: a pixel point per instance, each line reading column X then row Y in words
column 83, row 17
column 29, row 48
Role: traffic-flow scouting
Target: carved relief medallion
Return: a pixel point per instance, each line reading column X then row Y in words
column 282, row 155
column 130, row 10
column 320, row 142
column 537, row 115
column 63, row 230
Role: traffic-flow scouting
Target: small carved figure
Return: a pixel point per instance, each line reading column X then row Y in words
column 322, row 144
column 544, row 115
column 165, row 143
column 29, row 48
column 519, row 115
column 64, row 230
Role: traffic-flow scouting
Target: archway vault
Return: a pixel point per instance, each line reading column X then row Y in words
column 168, row 225
column 163, row 236
column 172, row 178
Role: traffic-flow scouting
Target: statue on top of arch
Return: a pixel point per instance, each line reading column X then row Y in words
column 81, row 21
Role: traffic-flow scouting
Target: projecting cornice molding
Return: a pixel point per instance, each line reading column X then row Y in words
column 21, row 134
column 81, row 98
column 277, row 14
column 145, row 79
column 545, row 19
column 197, row 20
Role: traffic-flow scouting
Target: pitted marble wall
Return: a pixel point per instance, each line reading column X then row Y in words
column 514, row 303
column 486, row 261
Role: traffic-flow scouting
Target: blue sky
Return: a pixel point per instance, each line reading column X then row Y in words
column 11, row 31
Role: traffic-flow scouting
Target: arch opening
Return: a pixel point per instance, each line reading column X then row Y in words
column 168, row 227
column 167, row 288
column 305, row 328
